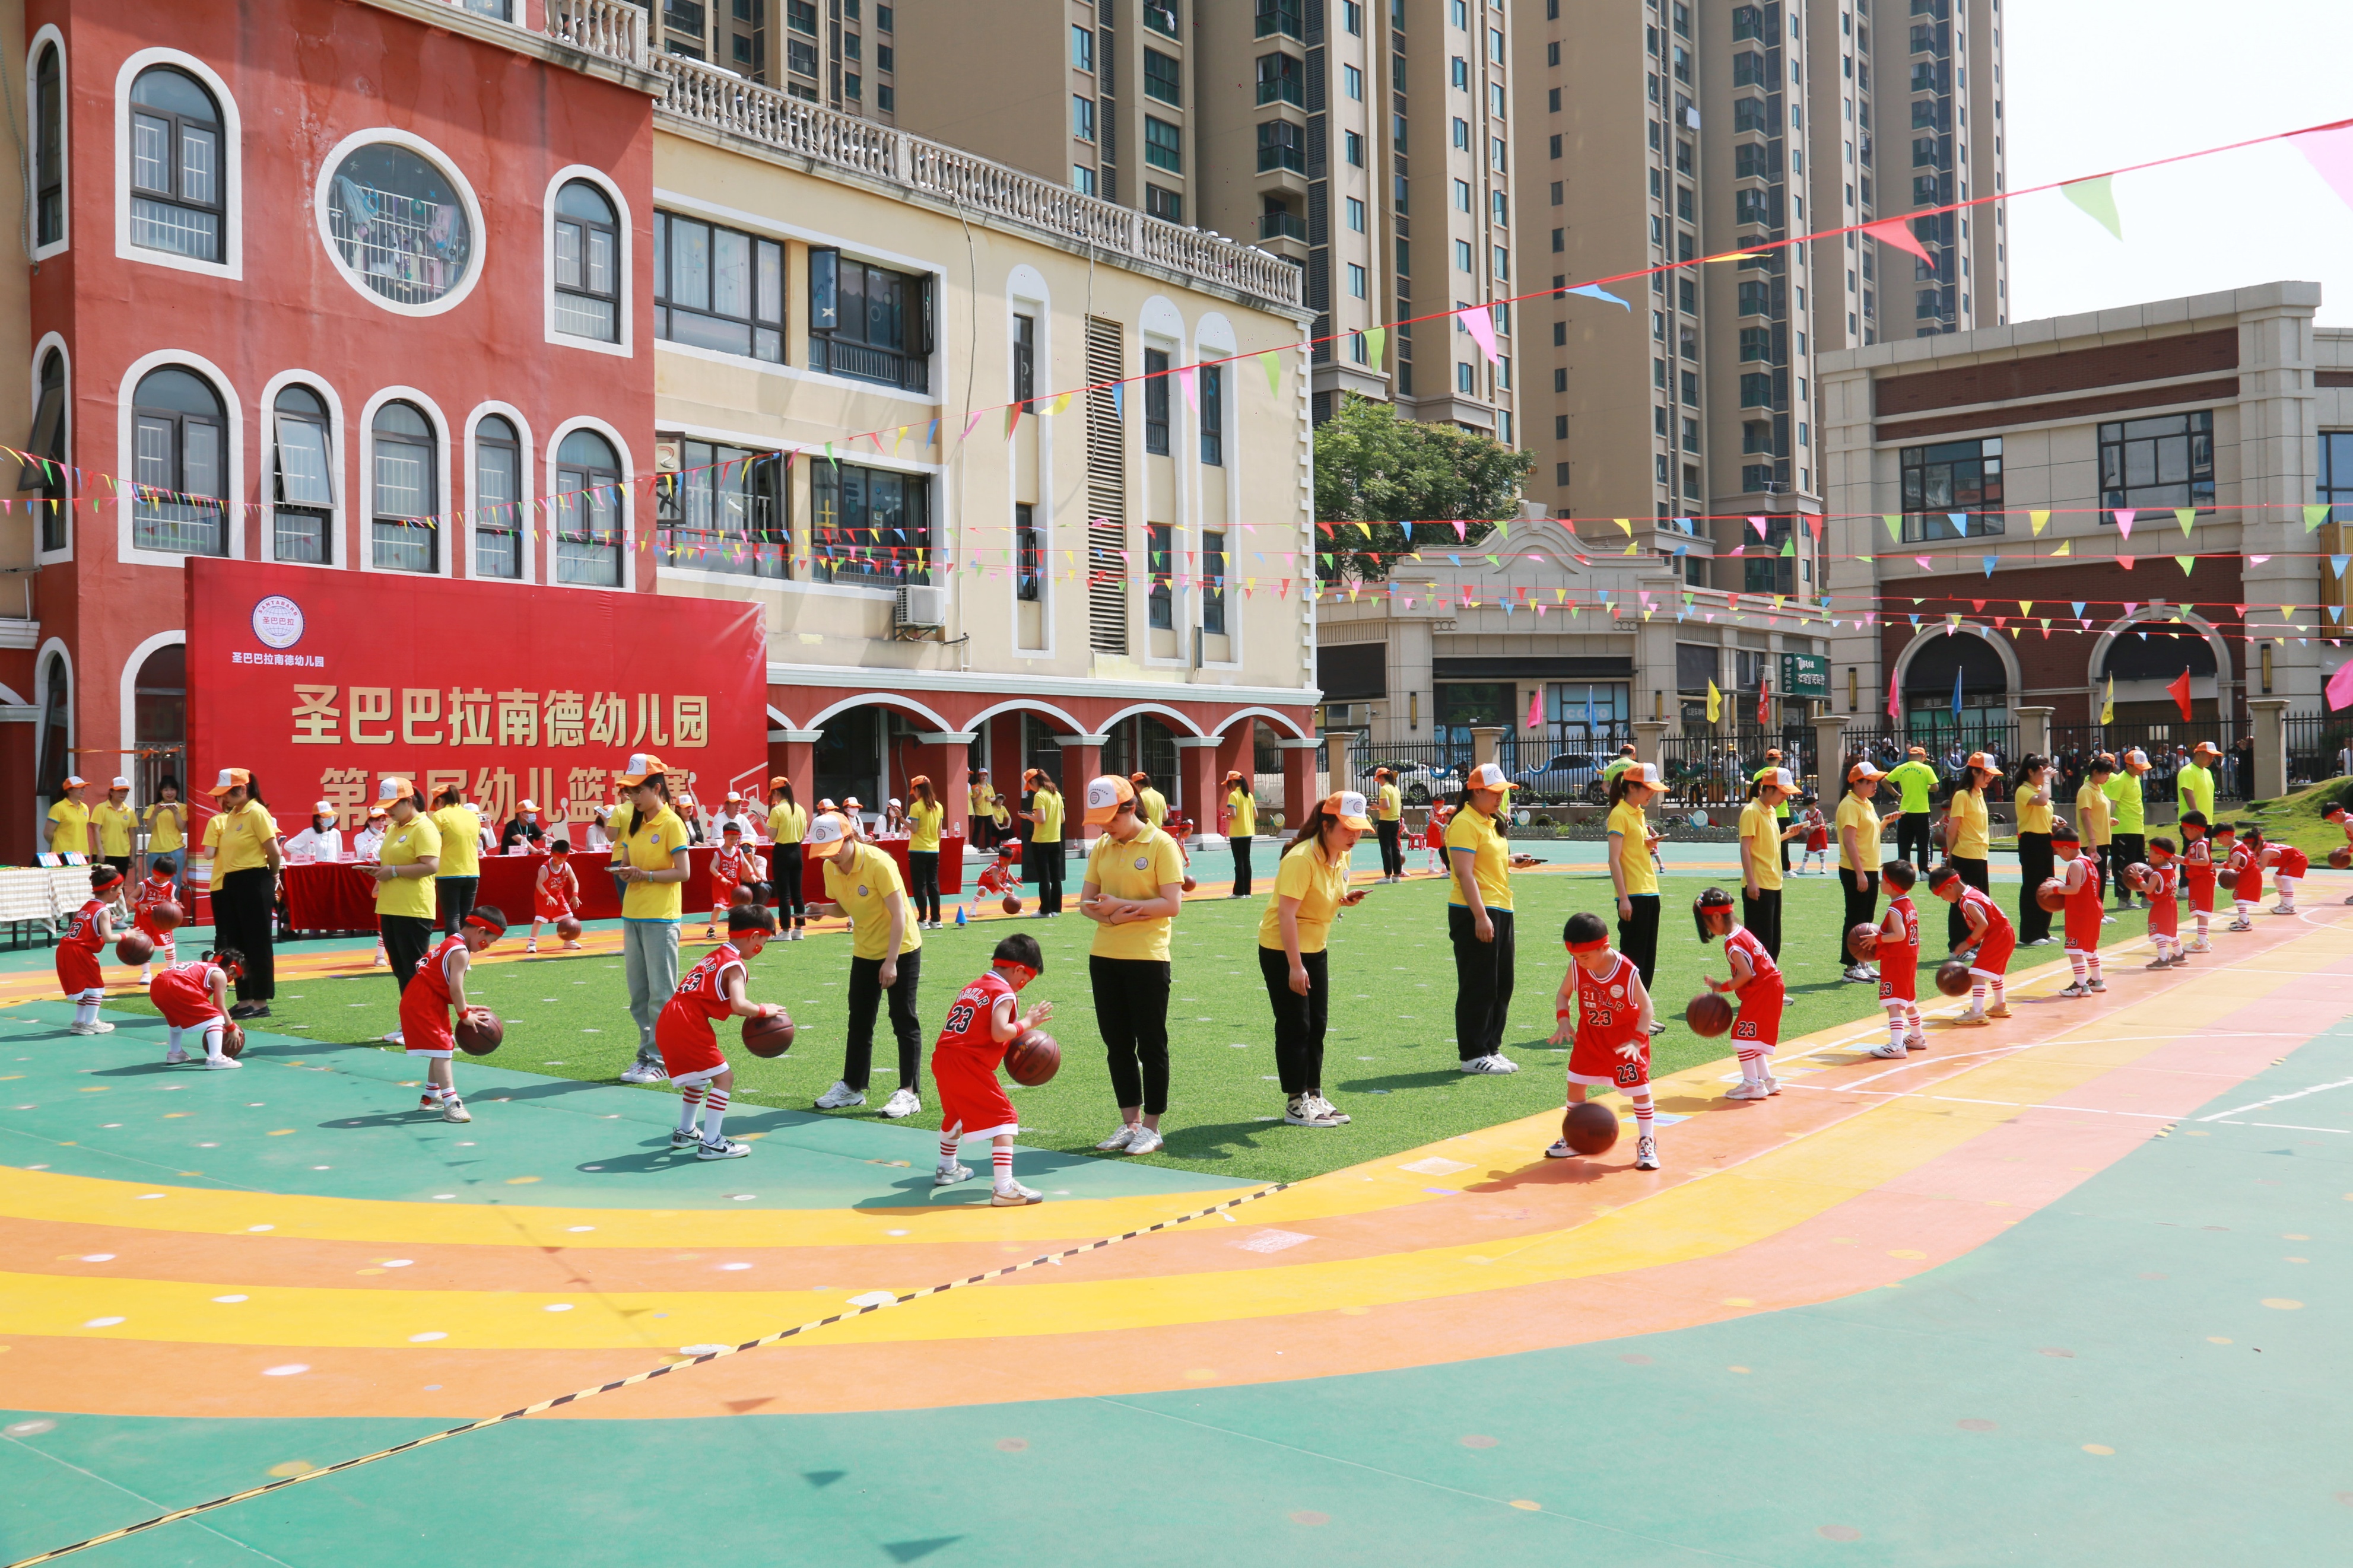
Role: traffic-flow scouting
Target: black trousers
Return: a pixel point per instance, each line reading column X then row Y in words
column 1912, row 839
column 1132, row 1015
column 244, row 913
column 1392, row 852
column 2035, row 864
column 1973, row 872
column 1782, row 825
column 454, row 897
column 1762, row 915
column 866, row 996
column 1241, row 848
column 1482, row 981
column 784, row 865
column 406, row 940
column 923, row 870
column 1298, row 1020
column 1638, row 938
column 1044, row 866
column 2127, row 850
column 1862, row 905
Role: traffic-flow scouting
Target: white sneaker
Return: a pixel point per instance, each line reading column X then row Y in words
column 841, row 1097
column 684, row 1138
column 146, row 972
column 378, row 962
column 223, row 1062
column 1147, row 1140
column 1330, row 1109
column 1748, row 1089
column 395, row 1038
column 174, row 1055
column 1772, row 1084
column 2107, row 920
column 1307, row 1111
column 903, row 1102
column 2240, row 925
column 81, row 1028
column 1892, row 1051
column 949, row 1175
column 725, row 1149
column 2283, row 908
column 1646, row 1154
column 1120, row 1139
column 2202, row 945
column 2095, row 983
column 643, row 1072
column 1999, row 1010
column 1558, row 1150
column 1916, row 1041
column 1497, row 1063
column 454, row 1109
column 1015, row 1196
column 2077, row 989
column 1974, row 1016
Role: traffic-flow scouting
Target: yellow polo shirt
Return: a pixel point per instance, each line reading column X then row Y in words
column 1972, row 839
column 984, row 800
column 2033, row 815
column 1152, row 805
column 461, row 841
column 1243, row 821
column 69, row 828
column 923, row 827
column 239, row 839
column 1634, row 849
column 1472, row 831
column 163, row 826
column 1760, row 837
column 2092, row 815
column 1389, row 806
column 1318, row 885
column 656, row 839
column 1135, row 871
column 404, row 844
column 863, row 887
column 1860, row 815
column 2124, row 788
column 787, row 824
column 1048, row 829
column 2197, row 789
column 114, row 827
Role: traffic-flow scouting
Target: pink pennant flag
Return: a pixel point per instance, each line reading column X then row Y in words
column 1482, row 328
column 1924, row 562
column 1460, row 531
column 1535, row 705
column 2340, row 686
column 2331, row 153
column 1192, row 392
column 2125, row 516
column 1758, row 524
column 1895, row 231
column 971, row 422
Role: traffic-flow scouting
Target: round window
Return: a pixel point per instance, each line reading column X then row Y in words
column 399, row 224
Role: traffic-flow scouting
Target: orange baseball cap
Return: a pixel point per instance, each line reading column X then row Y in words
column 642, row 766
column 827, row 835
column 230, row 778
column 1105, row 796
column 1487, row 776
column 778, row 781
column 1349, row 807
column 1863, row 773
column 390, row 789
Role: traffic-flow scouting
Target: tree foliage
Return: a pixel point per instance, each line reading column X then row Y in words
column 1373, row 467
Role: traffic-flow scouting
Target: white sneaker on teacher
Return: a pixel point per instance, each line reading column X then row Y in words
column 643, row 1072
column 1497, row 1063
column 841, row 1097
column 903, row 1102
column 1119, row 1140
column 1147, row 1140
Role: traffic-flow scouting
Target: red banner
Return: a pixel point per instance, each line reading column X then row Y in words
column 323, row 683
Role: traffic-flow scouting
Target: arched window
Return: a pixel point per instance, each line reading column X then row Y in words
column 48, row 149
column 498, row 488
column 305, row 500
column 180, row 452
column 405, row 486
column 56, row 737
column 50, row 442
column 159, row 697
column 176, row 184
column 588, row 526
column 588, row 264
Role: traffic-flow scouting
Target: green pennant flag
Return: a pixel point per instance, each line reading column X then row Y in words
column 830, row 457
column 2314, row 516
column 1272, row 361
column 1503, row 528
column 2185, row 563
column 1788, row 547
column 1376, row 339
column 2185, row 516
column 1894, row 521
column 2097, row 197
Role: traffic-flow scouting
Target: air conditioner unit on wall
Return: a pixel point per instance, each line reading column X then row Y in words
column 921, row 607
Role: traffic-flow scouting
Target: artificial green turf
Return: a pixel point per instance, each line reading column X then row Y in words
column 1389, row 1057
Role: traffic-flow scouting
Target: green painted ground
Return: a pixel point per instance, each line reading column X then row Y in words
column 2150, row 1372
column 1390, row 1059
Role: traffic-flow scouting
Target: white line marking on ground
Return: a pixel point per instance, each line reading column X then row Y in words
column 2278, row 1099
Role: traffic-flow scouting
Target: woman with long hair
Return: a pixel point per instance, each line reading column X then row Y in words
column 2035, row 857
column 462, row 857
column 1858, row 827
column 1042, row 858
column 924, row 815
column 1133, row 889
column 1765, row 834
column 787, row 826
column 980, row 827
column 406, row 863
column 1633, row 872
column 1968, row 833
column 651, row 862
column 1241, row 828
column 242, row 840
column 1311, row 884
column 1479, row 922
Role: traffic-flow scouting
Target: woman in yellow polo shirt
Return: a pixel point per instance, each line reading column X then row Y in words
column 1388, row 812
column 1041, row 859
column 462, row 857
column 167, row 830
column 405, row 900
column 70, row 830
column 1134, row 887
column 1311, row 884
column 1241, row 828
column 1968, row 835
column 1858, row 827
column 886, row 959
column 650, row 861
column 925, row 816
column 2035, row 859
column 787, row 826
column 242, row 840
column 1479, row 922
column 115, row 823
column 1633, row 871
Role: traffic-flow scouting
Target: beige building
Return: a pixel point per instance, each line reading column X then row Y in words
column 897, row 385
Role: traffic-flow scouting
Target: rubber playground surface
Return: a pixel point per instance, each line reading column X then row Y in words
column 2063, row 1290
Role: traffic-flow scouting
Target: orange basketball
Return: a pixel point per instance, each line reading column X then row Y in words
column 1012, row 904
column 233, row 1040
column 768, row 1037
column 1033, row 1058
column 2227, row 876
column 167, row 916
column 2051, row 895
column 1589, row 1129
column 478, row 1032
column 134, row 947
column 2340, row 858
column 568, row 927
column 1709, row 1015
column 1863, row 940
column 1953, row 977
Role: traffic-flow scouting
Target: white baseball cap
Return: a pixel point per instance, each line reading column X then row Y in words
column 1644, row 773
column 120, row 783
column 323, row 808
column 1782, row 779
column 1487, row 776
column 826, row 835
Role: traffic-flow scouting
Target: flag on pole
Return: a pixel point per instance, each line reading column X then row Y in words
column 1957, row 697
column 1715, row 703
column 1536, row 711
column 2179, row 689
column 2108, row 703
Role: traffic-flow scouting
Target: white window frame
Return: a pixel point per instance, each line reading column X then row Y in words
column 629, row 519
column 126, row 447
column 232, row 265
column 339, row 516
column 363, row 545
column 48, row 36
column 1214, row 339
column 627, row 247
column 33, row 387
column 477, row 255
column 526, row 484
column 1028, row 293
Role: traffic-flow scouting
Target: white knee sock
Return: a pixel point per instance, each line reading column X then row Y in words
column 1976, row 995
column 2287, row 891
column 86, row 1006
column 1000, row 1167
column 1895, row 1021
column 2076, row 963
column 2093, row 959
column 2240, row 907
column 714, row 1111
column 214, row 1032
column 689, row 1106
column 2202, row 918
column 1752, row 1066
column 172, row 1038
column 1646, row 1111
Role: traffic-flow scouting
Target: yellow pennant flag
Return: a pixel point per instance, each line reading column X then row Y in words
column 1715, row 703
column 2041, row 519
column 1624, row 527
column 2108, row 703
column 2066, row 547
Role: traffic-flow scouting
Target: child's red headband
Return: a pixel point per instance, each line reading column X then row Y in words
column 1596, row 946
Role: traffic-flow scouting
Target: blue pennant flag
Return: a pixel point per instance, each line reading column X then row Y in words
column 1596, row 291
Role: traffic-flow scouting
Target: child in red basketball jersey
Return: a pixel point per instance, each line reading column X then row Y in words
column 1990, row 941
column 2289, row 866
column 1817, row 840
column 435, row 992
column 1433, row 837
column 555, row 894
column 86, row 937
column 2343, row 819
column 195, row 996
column 973, row 1104
column 2198, row 875
column 1002, row 875
column 713, row 988
column 1757, row 981
column 2247, row 860
column 2165, row 905
column 2083, row 911
column 1610, row 1044
column 154, row 889
column 731, row 867
column 1899, row 964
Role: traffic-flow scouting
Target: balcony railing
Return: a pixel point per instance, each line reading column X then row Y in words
column 613, row 29
column 1926, row 527
column 1281, row 225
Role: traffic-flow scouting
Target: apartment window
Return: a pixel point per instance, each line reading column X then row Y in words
column 1356, row 282
column 1352, row 144
column 1458, row 72
column 1156, row 402
column 304, row 478
column 1462, row 132
column 1659, row 469
column 1495, row 153
column 1495, row 98
column 1083, row 47
column 1952, row 489
column 1028, row 556
column 1503, row 262
column 1352, row 18
column 588, row 512
column 1025, row 362
column 1690, row 379
column 1082, row 179
column 1278, row 17
column 1160, row 16
column 1685, row 206
column 1404, row 258
column 588, row 264
column 1756, row 298
column 800, row 15
column 49, row 149
column 869, row 526
column 1499, row 209
column 868, row 323
column 1756, row 344
column 1757, row 435
column 1757, row 478
column 49, row 441
column 1281, row 79
column 1164, row 145
column 176, row 175
column 1552, row 58
column 1213, row 414
column 1462, row 195
column 1749, row 114
column 718, row 288
column 1160, row 575
column 180, row 462
column 2167, row 461
column 721, row 513
column 1690, row 434
column 1459, row 13
column 1756, row 390
column 403, row 488
column 1356, row 212
column 800, row 57
column 1212, row 577
column 1555, row 146
column 498, row 499
column 1691, row 481
column 1462, row 256
column 852, row 47
column 884, row 22
column 1164, row 77
column 853, row 86
column 1495, row 44
column 1166, row 205
column 1752, row 160
column 1466, row 380
column 1082, row 117
column 1351, row 82
column 1748, row 21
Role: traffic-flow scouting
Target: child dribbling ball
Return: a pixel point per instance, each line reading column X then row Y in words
column 435, row 993
column 1757, row 981
column 194, row 996
column 86, row 937
column 713, row 988
column 1609, row 1043
column 973, row 1104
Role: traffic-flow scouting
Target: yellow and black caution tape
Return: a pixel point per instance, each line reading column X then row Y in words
column 651, row 1372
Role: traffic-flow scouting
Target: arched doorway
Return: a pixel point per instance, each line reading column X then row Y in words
column 2142, row 666
column 1143, row 742
column 1956, row 693
column 158, row 720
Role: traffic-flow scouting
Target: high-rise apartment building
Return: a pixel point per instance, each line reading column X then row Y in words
column 1653, row 132
column 839, row 53
column 1369, row 143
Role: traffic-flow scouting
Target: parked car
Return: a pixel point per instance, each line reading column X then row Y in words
column 1416, row 784
column 1564, row 774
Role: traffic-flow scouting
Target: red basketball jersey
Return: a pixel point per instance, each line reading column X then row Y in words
column 182, row 993
column 1901, row 956
column 1764, row 972
column 1997, row 923
column 729, row 867
column 83, row 932
column 2292, row 861
column 701, row 998
column 968, row 1029
column 425, row 1000
column 1607, row 1014
column 2249, row 863
column 2164, row 906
